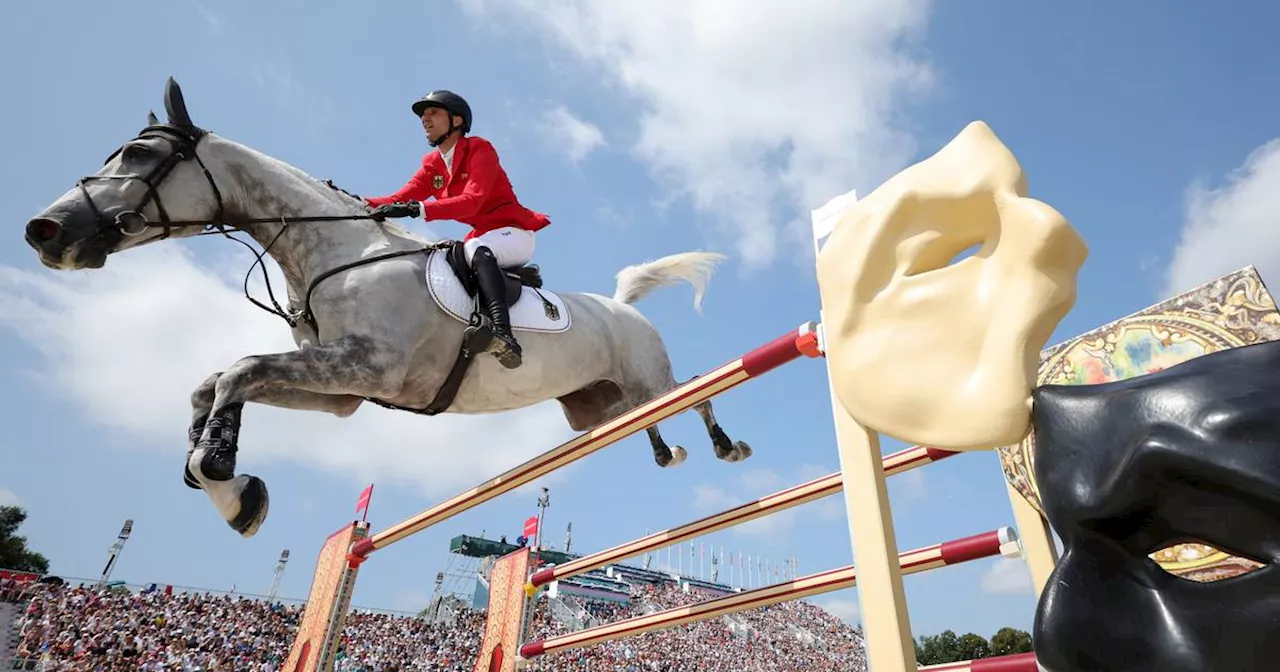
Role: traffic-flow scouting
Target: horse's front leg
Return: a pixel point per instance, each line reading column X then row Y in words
column 318, row 377
column 341, row 405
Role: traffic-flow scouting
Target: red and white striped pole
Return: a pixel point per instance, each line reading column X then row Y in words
column 1018, row 662
column 802, row 341
column 987, row 544
column 804, row 493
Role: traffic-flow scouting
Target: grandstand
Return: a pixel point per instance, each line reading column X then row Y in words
column 80, row 625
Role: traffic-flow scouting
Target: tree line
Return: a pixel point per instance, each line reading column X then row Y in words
column 948, row 647
column 14, row 553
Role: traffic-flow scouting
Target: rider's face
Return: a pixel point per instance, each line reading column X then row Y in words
column 435, row 122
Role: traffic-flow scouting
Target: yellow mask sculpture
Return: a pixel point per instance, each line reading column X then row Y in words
column 941, row 353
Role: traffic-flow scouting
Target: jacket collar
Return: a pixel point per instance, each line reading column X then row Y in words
column 459, row 152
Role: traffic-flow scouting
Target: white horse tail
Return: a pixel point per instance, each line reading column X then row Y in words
column 634, row 282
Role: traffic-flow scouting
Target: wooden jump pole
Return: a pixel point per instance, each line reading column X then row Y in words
column 801, row 341
column 1018, row 662
column 804, row 493
column 987, row 544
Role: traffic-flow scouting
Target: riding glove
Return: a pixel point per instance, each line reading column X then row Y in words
column 410, row 209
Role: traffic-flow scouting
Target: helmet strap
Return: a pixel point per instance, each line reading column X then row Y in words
column 452, row 129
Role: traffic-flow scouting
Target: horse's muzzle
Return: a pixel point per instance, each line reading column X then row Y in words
column 61, row 246
column 42, row 231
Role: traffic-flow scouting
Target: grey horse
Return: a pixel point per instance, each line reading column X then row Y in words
column 359, row 304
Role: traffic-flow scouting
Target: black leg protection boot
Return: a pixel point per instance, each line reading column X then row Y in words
column 193, row 441
column 492, row 289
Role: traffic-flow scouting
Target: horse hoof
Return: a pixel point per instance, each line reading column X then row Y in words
column 189, row 479
column 678, row 455
column 741, row 451
column 254, row 503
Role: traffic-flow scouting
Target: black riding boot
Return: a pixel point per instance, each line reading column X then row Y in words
column 493, row 290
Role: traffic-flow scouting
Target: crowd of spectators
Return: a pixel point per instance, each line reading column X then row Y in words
column 784, row 637
column 64, row 628
column 385, row 643
column 111, row 629
column 11, row 590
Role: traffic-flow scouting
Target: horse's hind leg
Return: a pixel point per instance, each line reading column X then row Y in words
column 664, row 455
column 605, row 400
column 726, row 449
column 646, row 374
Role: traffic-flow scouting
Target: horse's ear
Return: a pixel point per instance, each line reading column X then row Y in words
column 152, row 119
column 175, row 106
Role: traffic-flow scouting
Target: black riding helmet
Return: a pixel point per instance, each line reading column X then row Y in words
column 448, row 101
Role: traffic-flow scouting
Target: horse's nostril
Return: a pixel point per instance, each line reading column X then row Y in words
column 42, row 230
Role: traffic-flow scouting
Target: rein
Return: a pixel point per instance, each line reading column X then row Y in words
column 303, row 314
column 184, row 140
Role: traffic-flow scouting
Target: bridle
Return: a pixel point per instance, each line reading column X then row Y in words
column 184, row 140
column 133, row 222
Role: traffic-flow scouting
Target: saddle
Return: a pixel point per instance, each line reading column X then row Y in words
column 516, row 278
column 479, row 332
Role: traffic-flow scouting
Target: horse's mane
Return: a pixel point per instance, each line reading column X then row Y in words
column 325, row 189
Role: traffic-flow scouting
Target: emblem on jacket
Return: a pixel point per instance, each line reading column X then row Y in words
column 438, row 181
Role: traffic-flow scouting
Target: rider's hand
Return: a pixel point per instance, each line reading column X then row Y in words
column 410, row 209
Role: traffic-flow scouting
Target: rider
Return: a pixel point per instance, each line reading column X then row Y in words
column 480, row 195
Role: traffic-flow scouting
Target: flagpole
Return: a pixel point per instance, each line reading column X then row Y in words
column 543, row 502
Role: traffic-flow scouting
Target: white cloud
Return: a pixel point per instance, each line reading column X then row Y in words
column 575, row 137
column 747, row 111
column 769, row 527
column 608, row 215
column 712, row 498
column 762, row 481
column 8, row 498
column 1008, row 576
column 126, row 345
column 809, row 472
column 1232, row 226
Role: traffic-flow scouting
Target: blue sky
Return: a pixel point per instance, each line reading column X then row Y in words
column 642, row 129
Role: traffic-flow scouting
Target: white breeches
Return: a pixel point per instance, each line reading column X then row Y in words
column 510, row 246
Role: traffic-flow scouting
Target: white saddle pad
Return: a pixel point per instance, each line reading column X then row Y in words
column 528, row 314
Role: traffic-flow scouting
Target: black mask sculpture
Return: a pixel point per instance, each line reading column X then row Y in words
column 1188, row 454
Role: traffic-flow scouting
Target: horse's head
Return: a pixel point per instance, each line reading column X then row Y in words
column 935, row 350
column 146, row 186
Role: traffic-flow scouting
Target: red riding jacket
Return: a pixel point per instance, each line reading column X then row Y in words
column 477, row 192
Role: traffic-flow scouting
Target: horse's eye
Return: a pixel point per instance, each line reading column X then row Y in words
column 136, row 152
